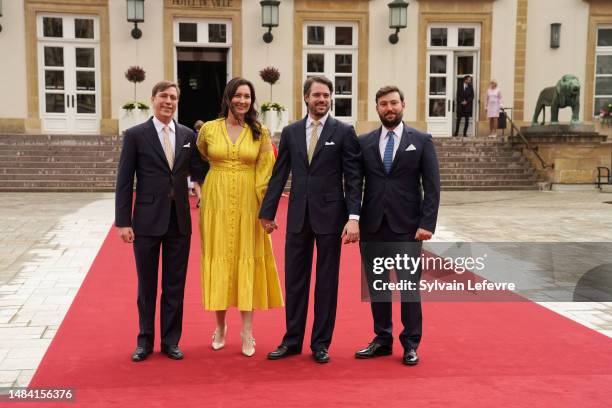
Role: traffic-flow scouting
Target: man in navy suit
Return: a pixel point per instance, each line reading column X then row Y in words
column 323, row 156
column 465, row 99
column 399, row 163
column 161, row 153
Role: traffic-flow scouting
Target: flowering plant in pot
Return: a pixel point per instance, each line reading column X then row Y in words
column 605, row 114
column 274, row 114
column 133, row 112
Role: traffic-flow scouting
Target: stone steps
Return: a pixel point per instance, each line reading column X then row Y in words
column 59, row 140
column 528, row 187
column 62, row 159
column 483, row 170
column 89, row 163
column 30, row 171
column 57, row 165
column 61, row 177
column 57, row 185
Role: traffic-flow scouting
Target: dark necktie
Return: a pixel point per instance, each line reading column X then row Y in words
column 388, row 156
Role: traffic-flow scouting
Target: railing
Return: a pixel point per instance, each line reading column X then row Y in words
column 606, row 177
column 513, row 128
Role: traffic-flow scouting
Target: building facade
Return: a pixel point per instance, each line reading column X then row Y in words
column 63, row 61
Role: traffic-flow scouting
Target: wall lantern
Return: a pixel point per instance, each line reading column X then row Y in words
column 398, row 18
column 135, row 14
column 0, row 14
column 269, row 17
column 555, row 35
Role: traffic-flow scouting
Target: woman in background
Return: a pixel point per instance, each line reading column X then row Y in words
column 493, row 106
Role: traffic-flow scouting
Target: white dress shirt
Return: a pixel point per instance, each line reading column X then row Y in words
column 159, row 125
column 309, row 125
column 384, row 136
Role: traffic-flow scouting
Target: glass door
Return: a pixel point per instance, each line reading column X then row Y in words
column 452, row 54
column 69, row 74
column 54, row 100
column 440, row 93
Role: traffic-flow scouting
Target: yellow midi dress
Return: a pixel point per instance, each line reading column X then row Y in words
column 237, row 264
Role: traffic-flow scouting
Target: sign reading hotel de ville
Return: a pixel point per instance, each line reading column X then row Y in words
column 203, row 3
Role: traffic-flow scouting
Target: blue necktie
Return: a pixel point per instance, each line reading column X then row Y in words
column 388, row 156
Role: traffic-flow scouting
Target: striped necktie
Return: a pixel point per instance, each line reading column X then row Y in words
column 388, row 156
column 312, row 143
column 168, row 146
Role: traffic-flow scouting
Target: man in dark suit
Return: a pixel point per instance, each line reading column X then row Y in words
column 162, row 153
column 398, row 163
column 323, row 156
column 465, row 99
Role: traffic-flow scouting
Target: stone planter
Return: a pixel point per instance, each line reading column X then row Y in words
column 133, row 117
column 275, row 120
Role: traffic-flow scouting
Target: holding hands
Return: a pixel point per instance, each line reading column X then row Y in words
column 268, row 225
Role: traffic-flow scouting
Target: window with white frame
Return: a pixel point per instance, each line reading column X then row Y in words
column 603, row 69
column 330, row 49
column 200, row 32
column 461, row 36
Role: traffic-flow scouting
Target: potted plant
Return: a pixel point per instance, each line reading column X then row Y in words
column 133, row 112
column 274, row 114
column 605, row 114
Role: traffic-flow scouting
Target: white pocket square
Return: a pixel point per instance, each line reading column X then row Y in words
column 329, row 143
column 187, row 145
column 410, row 148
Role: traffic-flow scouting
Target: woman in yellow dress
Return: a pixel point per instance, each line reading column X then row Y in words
column 237, row 264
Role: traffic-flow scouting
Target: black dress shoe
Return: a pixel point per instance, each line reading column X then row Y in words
column 173, row 352
column 410, row 357
column 140, row 354
column 283, row 351
column 374, row 350
column 321, row 356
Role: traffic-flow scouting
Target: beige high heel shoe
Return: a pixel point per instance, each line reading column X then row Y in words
column 218, row 342
column 248, row 345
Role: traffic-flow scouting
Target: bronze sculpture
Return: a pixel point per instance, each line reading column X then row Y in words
column 565, row 94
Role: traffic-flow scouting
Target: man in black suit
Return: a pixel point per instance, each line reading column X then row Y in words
column 162, row 153
column 398, row 163
column 322, row 154
column 465, row 99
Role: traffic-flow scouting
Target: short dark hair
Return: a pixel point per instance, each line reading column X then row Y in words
column 161, row 86
column 467, row 77
column 319, row 79
column 386, row 90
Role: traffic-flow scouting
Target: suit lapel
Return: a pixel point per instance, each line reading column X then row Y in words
column 404, row 142
column 326, row 134
column 301, row 141
column 179, row 141
column 375, row 147
column 153, row 139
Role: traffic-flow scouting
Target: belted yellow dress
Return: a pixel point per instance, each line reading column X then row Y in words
column 237, row 264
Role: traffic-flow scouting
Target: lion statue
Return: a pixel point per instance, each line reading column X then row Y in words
column 565, row 93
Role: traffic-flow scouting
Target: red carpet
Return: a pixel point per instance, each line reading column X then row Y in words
column 472, row 354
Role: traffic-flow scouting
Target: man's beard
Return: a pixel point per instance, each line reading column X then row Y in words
column 391, row 124
column 314, row 110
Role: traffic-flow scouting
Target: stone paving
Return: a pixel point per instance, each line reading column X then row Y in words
column 533, row 216
column 49, row 241
column 47, row 245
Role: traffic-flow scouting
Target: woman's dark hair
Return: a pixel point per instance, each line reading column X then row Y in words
column 250, row 117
